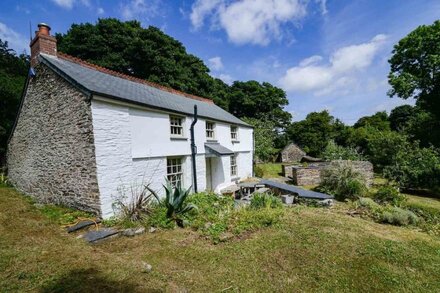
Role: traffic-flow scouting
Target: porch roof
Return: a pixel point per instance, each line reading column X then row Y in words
column 217, row 149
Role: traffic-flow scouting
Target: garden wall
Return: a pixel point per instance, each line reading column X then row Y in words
column 311, row 175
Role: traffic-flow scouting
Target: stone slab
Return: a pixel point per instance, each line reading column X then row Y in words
column 95, row 236
column 82, row 225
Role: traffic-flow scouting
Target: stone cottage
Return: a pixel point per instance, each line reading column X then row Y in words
column 292, row 153
column 86, row 135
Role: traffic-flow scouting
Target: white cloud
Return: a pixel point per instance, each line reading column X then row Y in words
column 67, row 4
column 323, row 4
column 135, row 8
column 248, row 21
column 201, row 9
column 338, row 74
column 100, row 11
column 226, row 78
column 310, row 61
column 15, row 40
column 215, row 63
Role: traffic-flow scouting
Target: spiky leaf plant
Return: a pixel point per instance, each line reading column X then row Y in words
column 175, row 202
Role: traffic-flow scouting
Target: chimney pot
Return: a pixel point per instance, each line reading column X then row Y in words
column 43, row 42
column 44, row 29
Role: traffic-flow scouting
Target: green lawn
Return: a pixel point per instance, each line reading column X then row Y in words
column 312, row 250
column 270, row 170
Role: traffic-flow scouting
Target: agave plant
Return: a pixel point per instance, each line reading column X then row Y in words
column 175, row 202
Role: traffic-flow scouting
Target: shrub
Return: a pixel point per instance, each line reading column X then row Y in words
column 158, row 217
column 336, row 152
column 399, row 217
column 415, row 167
column 389, row 195
column 265, row 200
column 343, row 181
column 135, row 206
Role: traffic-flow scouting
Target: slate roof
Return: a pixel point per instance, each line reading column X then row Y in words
column 218, row 149
column 100, row 81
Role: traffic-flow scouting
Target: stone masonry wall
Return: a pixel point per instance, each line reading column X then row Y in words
column 306, row 176
column 51, row 155
column 311, row 175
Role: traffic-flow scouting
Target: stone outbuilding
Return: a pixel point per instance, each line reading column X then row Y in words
column 292, row 153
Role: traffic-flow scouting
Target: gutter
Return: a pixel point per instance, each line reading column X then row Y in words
column 194, row 149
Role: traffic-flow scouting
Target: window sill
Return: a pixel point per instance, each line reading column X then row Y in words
column 211, row 140
column 235, row 141
column 178, row 138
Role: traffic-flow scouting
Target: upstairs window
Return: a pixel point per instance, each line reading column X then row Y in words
column 234, row 165
column 174, row 171
column 234, row 133
column 176, row 126
column 210, row 134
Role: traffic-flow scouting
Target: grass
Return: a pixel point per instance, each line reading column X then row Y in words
column 271, row 170
column 313, row 250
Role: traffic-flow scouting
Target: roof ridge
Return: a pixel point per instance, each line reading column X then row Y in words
column 131, row 78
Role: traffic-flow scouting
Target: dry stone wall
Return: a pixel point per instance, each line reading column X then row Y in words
column 311, row 175
column 51, row 155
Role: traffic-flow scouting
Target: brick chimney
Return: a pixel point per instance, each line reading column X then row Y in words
column 43, row 42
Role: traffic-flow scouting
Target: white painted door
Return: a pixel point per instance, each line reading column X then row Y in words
column 208, row 174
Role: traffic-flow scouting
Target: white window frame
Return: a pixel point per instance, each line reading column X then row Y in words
column 234, row 133
column 177, row 125
column 175, row 171
column 210, row 132
column 234, row 166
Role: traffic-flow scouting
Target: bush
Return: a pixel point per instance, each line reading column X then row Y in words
column 389, row 195
column 399, row 217
column 136, row 205
column 415, row 167
column 265, row 200
column 343, row 182
column 337, row 152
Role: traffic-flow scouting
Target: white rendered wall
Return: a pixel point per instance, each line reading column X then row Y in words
column 132, row 145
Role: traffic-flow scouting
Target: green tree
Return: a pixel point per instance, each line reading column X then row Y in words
column 401, row 116
column 13, row 71
column 415, row 167
column 259, row 100
column 313, row 133
column 415, row 68
column 264, row 136
column 378, row 121
column 382, row 147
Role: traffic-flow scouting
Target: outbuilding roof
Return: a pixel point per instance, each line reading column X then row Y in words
column 107, row 83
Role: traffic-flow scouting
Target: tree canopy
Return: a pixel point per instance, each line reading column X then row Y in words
column 13, row 71
column 415, row 67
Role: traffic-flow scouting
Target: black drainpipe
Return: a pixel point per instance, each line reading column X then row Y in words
column 194, row 149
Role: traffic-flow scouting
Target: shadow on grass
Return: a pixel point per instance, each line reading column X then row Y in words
column 90, row 280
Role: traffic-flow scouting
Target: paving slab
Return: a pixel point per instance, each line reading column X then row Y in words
column 81, row 225
column 98, row 235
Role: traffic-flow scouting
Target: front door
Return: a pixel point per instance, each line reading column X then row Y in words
column 208, row 174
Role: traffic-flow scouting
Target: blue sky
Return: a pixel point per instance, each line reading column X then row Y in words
column 326, row 54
